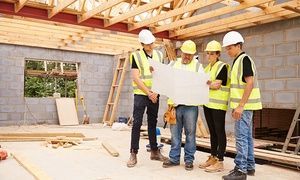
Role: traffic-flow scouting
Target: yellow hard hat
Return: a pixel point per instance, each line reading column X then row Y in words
column 188, row 47
column 213, row 46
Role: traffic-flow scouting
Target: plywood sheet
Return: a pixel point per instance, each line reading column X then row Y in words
column 66, row 110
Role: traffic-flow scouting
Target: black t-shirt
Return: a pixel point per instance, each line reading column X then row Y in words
column 247, row 67
column 223, row 76
column 134, row 65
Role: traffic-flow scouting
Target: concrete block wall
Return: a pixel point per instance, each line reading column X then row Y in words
column 275, row 50
column 94, row 81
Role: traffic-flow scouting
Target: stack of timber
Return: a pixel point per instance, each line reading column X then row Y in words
column 290, row 160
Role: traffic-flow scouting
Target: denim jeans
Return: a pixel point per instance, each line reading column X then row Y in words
column 244, row 159
column 141, row 103
column 186, row 117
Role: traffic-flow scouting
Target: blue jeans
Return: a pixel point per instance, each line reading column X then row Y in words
column 244, row 159
column 186, row 117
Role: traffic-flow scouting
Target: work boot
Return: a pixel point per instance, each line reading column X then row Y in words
column 156, row 155
column 132, row 160
column 211, row 161
column 168, row 163
column 235, row 174
column 217, row 167
column 251, row 172
column 189, row 166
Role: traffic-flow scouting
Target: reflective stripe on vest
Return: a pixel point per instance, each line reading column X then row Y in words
column 237, row 86
column 145, row 75
column 192, row 66
column 218, row 99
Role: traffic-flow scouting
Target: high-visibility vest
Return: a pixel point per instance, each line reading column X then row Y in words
column 237, row 86
column 218, row 99
column 193, row 66
column 142, row 62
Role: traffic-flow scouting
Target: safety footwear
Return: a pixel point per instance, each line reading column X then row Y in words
column 168, row 163
column 156, row 155
column 235, row 174
column 251, row 172
column 217, row 167
column 189, row 166
column 132, row 160
column 211, row 161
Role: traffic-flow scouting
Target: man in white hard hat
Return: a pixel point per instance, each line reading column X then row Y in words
column 144, row 98
column 186, row 114
column 244, row 99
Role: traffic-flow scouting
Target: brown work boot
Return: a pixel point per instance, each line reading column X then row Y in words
column 132, row 160
column 211, row 161
column 217, row 167
column 156, row 155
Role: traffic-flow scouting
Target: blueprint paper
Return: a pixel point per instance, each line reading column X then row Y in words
column 183, row 87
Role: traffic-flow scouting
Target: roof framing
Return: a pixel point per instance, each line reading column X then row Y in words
column 175, row 19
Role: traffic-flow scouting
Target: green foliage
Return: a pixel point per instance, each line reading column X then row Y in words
column 46, row 86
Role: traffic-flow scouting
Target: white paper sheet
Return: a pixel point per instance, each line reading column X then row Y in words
column 183, row 87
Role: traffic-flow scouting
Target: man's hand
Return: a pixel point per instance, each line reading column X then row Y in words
column 151, row 69
column 237, row 113
column 153, row 97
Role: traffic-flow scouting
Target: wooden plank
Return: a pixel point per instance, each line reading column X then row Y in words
column 223, row 23
column 42, row 134
column 110, row 149
column 207, row 15
column 19, row 5
column 139, row 10
column 61, row 5
column 252, row 21
column 30, row 167
column 172, row 13
column 67, row 114
column 271, row 156
column 99, row 9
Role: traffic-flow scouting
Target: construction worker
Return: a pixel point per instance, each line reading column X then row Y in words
column 144, row 97
column 215, row 110
column 186, row 114
column 244, row 98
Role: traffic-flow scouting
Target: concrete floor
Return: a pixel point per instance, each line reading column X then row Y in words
column 90, row 161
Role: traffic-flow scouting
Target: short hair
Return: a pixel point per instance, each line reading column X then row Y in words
column 239, row 43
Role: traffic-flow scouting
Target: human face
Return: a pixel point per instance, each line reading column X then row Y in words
column 186, row 58
column 233, row 50
column 148, row 47
column 212, row 56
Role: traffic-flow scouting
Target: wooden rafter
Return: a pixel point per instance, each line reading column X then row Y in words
column 136, row 11
column 183, row 3
column 98, row 9
column 173, row 13
column 210, row 14
column 294, row 9
column 233, row 21
column 61, row 5
column 19, row 5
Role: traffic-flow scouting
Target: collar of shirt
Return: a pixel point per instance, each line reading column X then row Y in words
column 147, row 54
column 237, row 58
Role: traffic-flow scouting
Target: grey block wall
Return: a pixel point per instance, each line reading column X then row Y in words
column 275, row 50
column 94, row 80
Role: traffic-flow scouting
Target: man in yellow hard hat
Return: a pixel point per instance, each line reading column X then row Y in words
column 144, row 98
column 216, row 108
column 244, row 98
column 186, row 114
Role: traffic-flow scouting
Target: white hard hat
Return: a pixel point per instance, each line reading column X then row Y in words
column 231, row 38
column 146, row 37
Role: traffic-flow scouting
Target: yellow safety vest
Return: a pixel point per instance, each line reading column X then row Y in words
column 142, row 62
column 237, row 86
column 218, row 99
column 193, row 66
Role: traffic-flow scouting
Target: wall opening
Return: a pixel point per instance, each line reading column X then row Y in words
column 46, row 78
